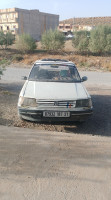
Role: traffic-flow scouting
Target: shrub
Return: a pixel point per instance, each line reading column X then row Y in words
column 108, row 41
column 25, row 43
column 81, row 41
column 100, row 39
column 53, row 40
column 2, row 68
column 3, row 63
column 1, row 71
column 2, row 39
column 6, row 39
column 9, row 39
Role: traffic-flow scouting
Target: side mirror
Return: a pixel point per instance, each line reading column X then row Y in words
column 24, row 77
column 84, row 78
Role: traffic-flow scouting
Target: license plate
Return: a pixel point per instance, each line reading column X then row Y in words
column 56, row 114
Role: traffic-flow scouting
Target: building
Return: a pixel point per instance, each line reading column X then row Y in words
column 32, row 22
column 65, row 28
column 86, row 23
column 85, row 27
column 70, row 28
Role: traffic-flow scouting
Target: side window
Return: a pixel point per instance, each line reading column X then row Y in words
column 74, row 73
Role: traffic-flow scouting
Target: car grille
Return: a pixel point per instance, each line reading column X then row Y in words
column 56, row 104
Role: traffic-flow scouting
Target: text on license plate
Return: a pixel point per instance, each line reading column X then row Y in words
column 56, row 114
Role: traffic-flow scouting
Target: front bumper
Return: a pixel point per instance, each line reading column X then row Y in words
column 37, row 115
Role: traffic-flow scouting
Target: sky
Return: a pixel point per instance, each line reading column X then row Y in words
column 64, row 8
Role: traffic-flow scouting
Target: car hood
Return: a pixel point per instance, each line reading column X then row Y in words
column 54, row 90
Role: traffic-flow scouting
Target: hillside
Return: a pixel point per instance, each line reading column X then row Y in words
column 91, row 21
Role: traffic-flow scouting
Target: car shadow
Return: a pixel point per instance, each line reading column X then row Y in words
column 12, row 87
column 99, row 123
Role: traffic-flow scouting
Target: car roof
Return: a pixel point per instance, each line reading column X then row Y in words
column 54, row 61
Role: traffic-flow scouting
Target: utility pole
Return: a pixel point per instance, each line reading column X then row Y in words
column 44, row 23
column 73, row 23
column 22, row 28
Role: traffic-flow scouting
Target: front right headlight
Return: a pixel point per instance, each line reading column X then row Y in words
column 27, row 102
column 84, row 103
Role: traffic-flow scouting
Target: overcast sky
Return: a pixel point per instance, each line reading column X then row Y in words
column 65, row 8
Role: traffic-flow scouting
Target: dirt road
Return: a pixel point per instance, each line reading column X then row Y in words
column 38, row 165
column 15, row 73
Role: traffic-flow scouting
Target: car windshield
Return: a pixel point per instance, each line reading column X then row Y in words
column 54, row 73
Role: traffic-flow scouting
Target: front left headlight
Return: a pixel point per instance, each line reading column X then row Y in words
column 27, row 102
column 84, row 103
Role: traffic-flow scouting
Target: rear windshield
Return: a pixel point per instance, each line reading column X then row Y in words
column 54, row 73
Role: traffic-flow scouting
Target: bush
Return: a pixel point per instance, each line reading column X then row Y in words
column 81, row 40
column 6, row 39
column 96, row 41
column 53, row 40
column 2, row 68
column 2, row 39
column 108, row 41
column 1, row 71
column 100, row 39
column 3, row 63
column 9, row 39
column 25, row 43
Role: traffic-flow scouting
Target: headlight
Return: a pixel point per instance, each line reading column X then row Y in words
column 84, row 103
column 27, row 102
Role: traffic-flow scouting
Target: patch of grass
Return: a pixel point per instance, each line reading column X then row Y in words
column 107, row 65
column 6, row 92
column 40, row 51
column 17, row 57
column 84, row 64
column 4, row 62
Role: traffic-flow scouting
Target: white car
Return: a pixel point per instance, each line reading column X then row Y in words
column 54, row 92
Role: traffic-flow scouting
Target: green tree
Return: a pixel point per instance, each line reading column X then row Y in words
column 25, row 43
column 108, row 46
column 81, row 40
column 6, row 39
column 100, row 39
column 53, row 40
column 9, row 39
column 2, row 39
